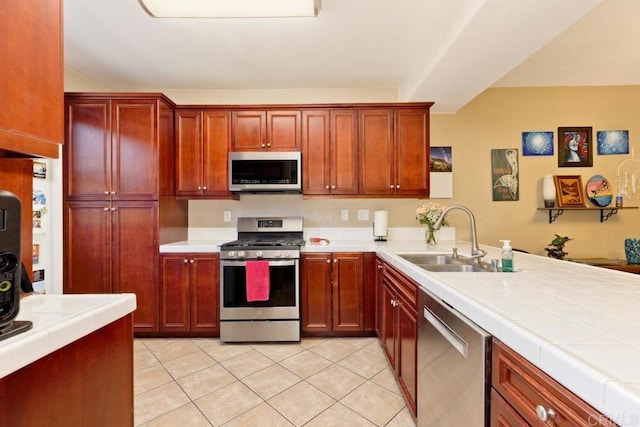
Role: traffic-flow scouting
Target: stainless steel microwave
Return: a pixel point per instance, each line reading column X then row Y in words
column 273, row 171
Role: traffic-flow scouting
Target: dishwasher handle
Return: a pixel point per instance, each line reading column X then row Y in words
column 454, row 339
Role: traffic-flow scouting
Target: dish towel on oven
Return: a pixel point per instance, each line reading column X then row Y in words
column 258, row 285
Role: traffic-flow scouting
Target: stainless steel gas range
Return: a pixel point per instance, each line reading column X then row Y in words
column 260, row 281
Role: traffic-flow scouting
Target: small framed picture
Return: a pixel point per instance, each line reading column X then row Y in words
column 539, row 143
column 613, row 142
column 575, row 147
column 569, row 191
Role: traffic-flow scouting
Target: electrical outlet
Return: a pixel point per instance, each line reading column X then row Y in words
column 363, row 214
column 344, row 214
column 227, row 216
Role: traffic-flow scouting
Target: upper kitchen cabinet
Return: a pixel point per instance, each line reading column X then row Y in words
column 394, row 151
column 330, row 152
column 202, row 148
column 270, row 130
column 31, row 87
column 118, row 147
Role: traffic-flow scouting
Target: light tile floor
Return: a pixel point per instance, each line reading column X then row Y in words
column 191, row 382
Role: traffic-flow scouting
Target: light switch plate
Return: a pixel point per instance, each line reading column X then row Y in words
column 363, row 214
column 344, row 214
column 227, row 216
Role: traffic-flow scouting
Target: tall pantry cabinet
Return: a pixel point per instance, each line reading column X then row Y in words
column 118, row 187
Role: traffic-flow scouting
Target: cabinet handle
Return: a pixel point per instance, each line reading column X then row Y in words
column 333, row 187
column 268, row 144
column 326, row 187
column 263, row 145
column 391, row 186
column 113, row 193
column 113, row 209
column 335, row 260
column 106, row 209
column 398, row 186
column 106, row 192
column 192, row 261
column 545, row 414
column 204, row 188
column 394, row 303
column 199, row 188
column 328, row 261
column 185, row 260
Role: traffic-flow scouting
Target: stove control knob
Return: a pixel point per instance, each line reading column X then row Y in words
column 231, row 254
column 240, row 254
column 287, row 254
column 259, row 254
column 278, row 254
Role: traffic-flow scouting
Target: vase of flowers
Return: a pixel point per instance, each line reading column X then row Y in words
column 427, row 214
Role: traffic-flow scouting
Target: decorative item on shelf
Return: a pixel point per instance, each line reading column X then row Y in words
column 427, row 214
column 632, row 250
column 599, row 191
column 548, row 191
column 569, row 191
column 555, row 249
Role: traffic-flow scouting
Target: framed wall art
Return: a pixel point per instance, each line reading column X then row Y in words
column 569, row 191
column 613, row 142
column 539, row 143
column 504, row 174
column 575, row 147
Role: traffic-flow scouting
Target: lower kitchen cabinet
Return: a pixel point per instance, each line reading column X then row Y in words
column 523, row 395
column 332, row 292
column 189, row 293
column 398, row 328
column 112, row 247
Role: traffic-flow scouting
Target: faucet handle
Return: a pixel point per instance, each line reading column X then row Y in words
column 455, row 253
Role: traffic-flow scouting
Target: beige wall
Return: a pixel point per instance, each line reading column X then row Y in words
column 495, row 119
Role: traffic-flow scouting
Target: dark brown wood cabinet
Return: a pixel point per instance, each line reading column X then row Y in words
column 523, row 395
column 202, row 146
column 112, row 247
column 330, row 152
column 332, row 292
column 398, row 329
column 31, row 118
column 119, row 204
column 189, row 293
column 260, row 130
column 394, row 151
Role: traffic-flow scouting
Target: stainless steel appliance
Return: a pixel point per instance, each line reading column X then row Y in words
column 276, row 241
column 272, row 171
column 454, row 357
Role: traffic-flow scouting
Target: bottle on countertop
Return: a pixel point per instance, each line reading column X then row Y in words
column 507, row 256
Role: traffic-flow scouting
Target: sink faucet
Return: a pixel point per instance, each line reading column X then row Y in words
column 476, row 252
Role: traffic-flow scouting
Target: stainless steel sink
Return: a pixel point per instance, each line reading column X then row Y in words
column 460, row 268
column 422, row 259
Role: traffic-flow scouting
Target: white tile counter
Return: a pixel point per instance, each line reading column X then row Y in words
column 59, row 320
column 578, row 323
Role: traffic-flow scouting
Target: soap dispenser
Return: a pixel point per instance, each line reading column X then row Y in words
column 507, row 256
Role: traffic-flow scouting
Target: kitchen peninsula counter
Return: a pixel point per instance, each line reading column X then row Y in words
column 75, row 366
column 578, row 323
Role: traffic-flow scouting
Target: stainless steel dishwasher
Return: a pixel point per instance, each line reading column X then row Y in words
column 454, row 359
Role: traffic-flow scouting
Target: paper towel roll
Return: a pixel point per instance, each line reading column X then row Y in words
column 380, row 223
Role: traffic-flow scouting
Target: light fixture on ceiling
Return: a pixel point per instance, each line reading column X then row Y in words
column 231, row 8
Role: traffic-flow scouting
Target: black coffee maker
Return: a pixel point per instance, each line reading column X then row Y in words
column 10, row 266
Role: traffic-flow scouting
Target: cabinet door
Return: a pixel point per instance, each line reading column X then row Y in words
column 215, row 164
column 86, row 154
column 32, row 77
column 389, row 322
column 174, row 293
column 376, row 151
column 205, row 291
column 407, row 345
column 412, row 151
column 347, row 291
column 316, row 152
column 344, row 152
column 189, row 153
column 135, row 258
column 248, row 130
column 283, row 130
column 134, row 160
column 315, row 284
column 502, row 414
column 87, row 248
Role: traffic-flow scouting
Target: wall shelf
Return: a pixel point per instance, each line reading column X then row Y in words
column 554, row 213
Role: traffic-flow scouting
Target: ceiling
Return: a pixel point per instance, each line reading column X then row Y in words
column 446, row 51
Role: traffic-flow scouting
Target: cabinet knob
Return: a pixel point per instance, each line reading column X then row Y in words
column 204, row 188
column 106, row 209
column 333, row 187
column 326, row 187
column 328, row 261
column 114, row 209
column 398, row 186
column 185, row 260
column 199, row 188
column 268, row 144
column 391, row 186
column 263, row 145
column 335, row 260
column 106, row 192
column 545, row 414
column 192, row 261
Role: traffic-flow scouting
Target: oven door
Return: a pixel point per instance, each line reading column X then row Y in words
column 283, row 302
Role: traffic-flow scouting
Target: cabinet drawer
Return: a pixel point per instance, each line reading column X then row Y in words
column 405, row 286
column 526, row 387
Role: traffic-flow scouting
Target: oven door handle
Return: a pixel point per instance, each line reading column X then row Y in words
column 272, row 263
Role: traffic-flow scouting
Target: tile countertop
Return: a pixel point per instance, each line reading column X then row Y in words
column 59, row 320
column 578, row 323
